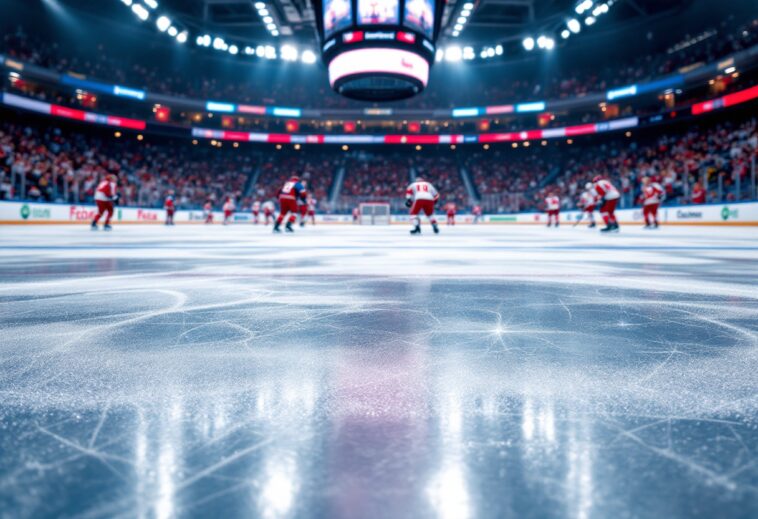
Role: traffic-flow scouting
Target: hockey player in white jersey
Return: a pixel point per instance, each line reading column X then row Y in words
column 421, row 197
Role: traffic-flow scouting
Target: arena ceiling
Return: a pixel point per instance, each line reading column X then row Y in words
column 490, row 21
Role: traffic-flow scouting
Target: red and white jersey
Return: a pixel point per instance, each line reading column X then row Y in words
column 477, row 210
column 652, row 193
column 256, row 207
column 268, row 207
column 208, row 207
column 421, row 190
column 229, row 206
column 451, row 208
column 606, row 190
column 311, row 204
column 552, row 203
column 105, row 191
column 169, row 203
column 587, row 199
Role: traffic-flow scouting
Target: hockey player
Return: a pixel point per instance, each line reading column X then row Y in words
column 587, row 203
column 651, row 197
column 229, row 208
column 553, row 209
column 356, row 215
column 268, row 211
column 312, row 209
column 105, row 196
column 289, row 194
column 608, row 197
column 477, row 213
column 256, row 211
column 302, row 204
column 421, row 197
column 208, row 212
column 450, row 208
column 170, row 207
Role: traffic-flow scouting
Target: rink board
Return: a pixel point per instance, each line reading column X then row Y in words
column 12, row 213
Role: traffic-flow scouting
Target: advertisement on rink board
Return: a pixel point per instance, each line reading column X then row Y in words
column 44, row 213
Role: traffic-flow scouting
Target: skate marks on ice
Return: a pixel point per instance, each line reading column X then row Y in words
column 134, row 391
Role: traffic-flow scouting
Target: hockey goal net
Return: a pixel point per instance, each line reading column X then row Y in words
column 374, row 213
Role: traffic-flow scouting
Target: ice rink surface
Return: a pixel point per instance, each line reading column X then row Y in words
column 359, row 373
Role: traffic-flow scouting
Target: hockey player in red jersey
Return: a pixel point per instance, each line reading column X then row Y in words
column 607, row 198
column 651, row 197
column 208, row 212
column 587, row 203
column 256, row 212
column 292, row 191
column 229, row 208
column 268, row 211
column 421, row 197
column 170, row 207
column 477, row 213
column 302, row 204
column 450, row 208
column 553, row 209
column 312, row 209
column 105, row 196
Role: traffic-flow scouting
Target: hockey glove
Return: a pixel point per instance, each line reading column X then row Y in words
column 408, row 203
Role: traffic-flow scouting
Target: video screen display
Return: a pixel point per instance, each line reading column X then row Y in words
column 378, row 12
column 419, row 14
column 338, row 15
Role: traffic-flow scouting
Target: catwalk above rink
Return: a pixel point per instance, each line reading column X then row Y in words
column 348, row 371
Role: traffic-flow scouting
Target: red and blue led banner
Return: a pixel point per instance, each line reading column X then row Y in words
column 71, row 113
column 530, row 135
column 728, row 100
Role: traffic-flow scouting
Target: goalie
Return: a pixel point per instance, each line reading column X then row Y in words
column 421, row 197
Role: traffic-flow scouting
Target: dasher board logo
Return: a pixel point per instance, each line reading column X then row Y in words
column 727, row 213
column 689, row 215
column 35, row 213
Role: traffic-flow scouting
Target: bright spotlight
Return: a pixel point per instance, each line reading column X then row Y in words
column 270, row 52
column 549, row 43
column 453, row 54
column 574, row 25
column 218, row 43
column 528, row 43
column 589, row 20
column 263, row 12
column 458, row 27
column 260, row 51
column 233, row 50
column 499, row 50
column 163, row 23
column 468, row 53
column 565, row 33
column 182, row 37
column 275, row 33
column 152, row 4
column 268, row 19
column 288, row 53
column 461, row 20
column 468, row 5
column 173, row 31
column 260, row 5
column 491, row 52
column 271, row 27
column 308, row 57
column 140, row 11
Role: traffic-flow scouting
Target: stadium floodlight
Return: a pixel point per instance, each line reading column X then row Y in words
column 491, row 52
column 308, row 57
column 549, row 43
column 288, row 53
column 163, row 23
column 439, row 55
column 468, row 5
column 466, row 13
column 260, row 51
column 586, row 5
column 456, row 34
column 249, row 51
column 453, row 54
column 275, row 33
column 574, row 25
column 542, row 42
column 173, row 31
column 458, row 27
column 260, row 5
column 263, row 12
column 199, row 41
column 528, row 43
column 499, row 50
column 268, row 19
column 461, row 20
column 468, row 53
column 140, row 11
column 589, row 20
column 127, row 3
column 182, row 37
column 218, row 43
column 271, row 27
column 152, row 4
column 270, row 52
column 233, row 50
column 207, row 40
column 565, row 33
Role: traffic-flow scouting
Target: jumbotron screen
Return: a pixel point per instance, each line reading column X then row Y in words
column 378, row 50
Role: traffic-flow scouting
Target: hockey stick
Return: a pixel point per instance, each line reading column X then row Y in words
column 581, row 217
